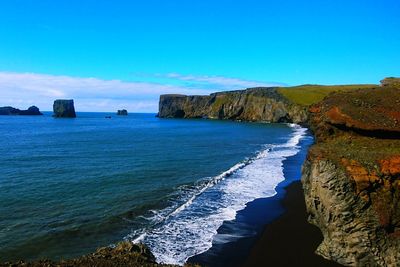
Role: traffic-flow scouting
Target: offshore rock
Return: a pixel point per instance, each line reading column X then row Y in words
column 64, row 108
column 254, row 104
column 122, row 112
column 33, row 110
column 351, row 177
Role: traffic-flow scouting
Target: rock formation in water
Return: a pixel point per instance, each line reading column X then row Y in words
column 351, row 177
column 33, row 110
column 122, row 112
column 254, row 104
column 64, row 108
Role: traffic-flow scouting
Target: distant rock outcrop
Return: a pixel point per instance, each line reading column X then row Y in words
column 391, row 81
column 64, row 108
column 33, row 110
column 122, row 112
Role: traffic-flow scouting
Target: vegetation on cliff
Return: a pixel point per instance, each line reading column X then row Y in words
column 352, row 176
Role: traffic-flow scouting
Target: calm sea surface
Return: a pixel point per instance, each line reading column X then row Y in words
column 68, row 186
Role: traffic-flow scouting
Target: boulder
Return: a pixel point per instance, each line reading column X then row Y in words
column 64, row 108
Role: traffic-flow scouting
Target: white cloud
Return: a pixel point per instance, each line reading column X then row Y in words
column 220, row 82
column 91, row 94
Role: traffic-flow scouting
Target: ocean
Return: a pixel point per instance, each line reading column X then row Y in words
column 69, row 186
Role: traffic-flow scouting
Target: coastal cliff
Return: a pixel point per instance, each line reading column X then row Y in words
column 351, row 177
column 254, row 104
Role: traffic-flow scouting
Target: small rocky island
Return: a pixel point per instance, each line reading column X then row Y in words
column 33, row 110
column 122, row 112
column 63, row 108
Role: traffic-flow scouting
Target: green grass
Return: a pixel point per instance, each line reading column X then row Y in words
column 307, row 95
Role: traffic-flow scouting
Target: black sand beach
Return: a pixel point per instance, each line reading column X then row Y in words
column 290, row 240
column 276, row 228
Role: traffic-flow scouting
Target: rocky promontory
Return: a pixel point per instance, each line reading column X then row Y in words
column 254, row 104
column 33, row 110
column 351, row 177
column 64, row 108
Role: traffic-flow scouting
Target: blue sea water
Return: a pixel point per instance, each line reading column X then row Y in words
column 68, row 186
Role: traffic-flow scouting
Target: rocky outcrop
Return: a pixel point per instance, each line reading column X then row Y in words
column 122, row 112
column 351, row 177
column 254, row 104
column 391, row 81
column 123, row 254
column 64, row 108
column 33, row 110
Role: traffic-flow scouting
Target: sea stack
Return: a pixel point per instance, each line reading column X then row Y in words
column 122, row 112
column 63, row 108
column 33, row 110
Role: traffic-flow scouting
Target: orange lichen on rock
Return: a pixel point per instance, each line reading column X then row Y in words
column 361, row 176
column 390, row 166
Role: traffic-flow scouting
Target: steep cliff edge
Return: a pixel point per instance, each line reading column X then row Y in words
column 351, row 177
column 254, row 104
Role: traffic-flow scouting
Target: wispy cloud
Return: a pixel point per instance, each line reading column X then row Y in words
column 218, row 82
column 93, row 94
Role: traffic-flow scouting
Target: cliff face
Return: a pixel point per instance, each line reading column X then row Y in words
column 351, row 177
column 255, row 104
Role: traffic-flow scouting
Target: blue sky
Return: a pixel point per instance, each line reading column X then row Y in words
column 114, row 54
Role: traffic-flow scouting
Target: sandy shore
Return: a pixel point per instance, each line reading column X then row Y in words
column 289, row 240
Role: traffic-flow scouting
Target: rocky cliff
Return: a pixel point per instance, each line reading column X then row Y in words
column 351, row 177
column 254, row 104
column 64, row 108
column 33, row 110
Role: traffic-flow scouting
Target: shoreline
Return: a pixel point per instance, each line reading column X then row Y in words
column 289, row 240
column 257, row 218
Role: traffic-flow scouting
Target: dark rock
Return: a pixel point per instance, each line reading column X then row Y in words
column 122, row 112
column 64, row 108
column 124, row 254
column 33, row 110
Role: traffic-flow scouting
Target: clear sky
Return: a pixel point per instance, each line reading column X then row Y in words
column 114, row 54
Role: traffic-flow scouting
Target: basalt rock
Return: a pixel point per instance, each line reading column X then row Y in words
column 33, row 110
column 64, row 109
column 254, row 104
column 122, row 112
column 351, row 177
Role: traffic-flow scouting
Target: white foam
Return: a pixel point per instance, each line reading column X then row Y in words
column 180, row 232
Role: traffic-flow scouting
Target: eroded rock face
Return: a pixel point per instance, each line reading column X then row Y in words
column 351, row 178
column 33, row 110
column 64, row 108
column 255, row 104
